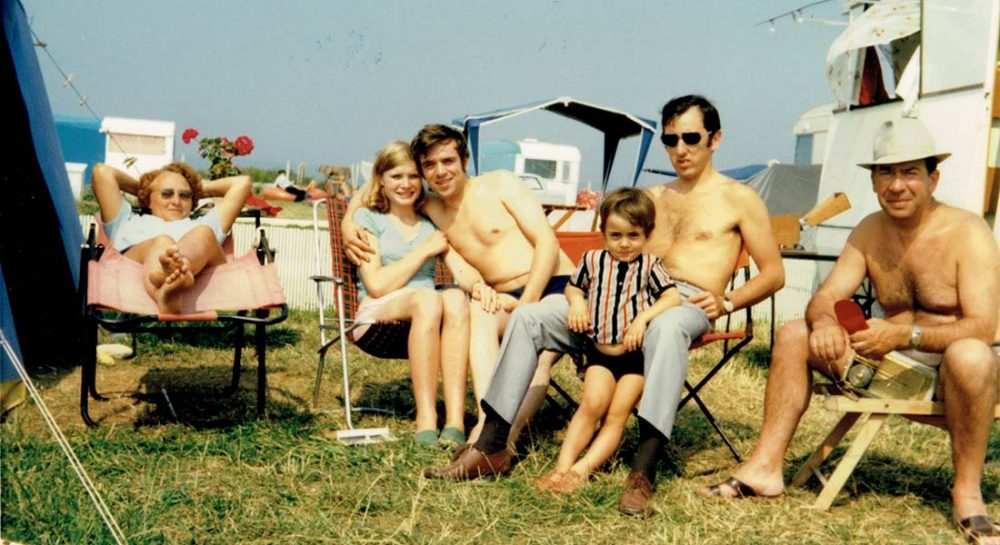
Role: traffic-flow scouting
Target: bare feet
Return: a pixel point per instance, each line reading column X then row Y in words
column 177, row 278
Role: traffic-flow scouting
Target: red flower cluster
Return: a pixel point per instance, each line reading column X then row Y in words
column 243, row 145
column 189, row 135
column 590, row 199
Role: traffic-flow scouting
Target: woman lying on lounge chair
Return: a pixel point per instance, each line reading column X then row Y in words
column 398, row 284
column 172, row 247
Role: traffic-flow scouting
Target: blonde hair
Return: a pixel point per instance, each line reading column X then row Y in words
column 389, row 157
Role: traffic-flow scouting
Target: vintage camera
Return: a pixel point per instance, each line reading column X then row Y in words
column 896, row 376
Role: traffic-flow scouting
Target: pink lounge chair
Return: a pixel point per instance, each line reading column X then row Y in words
column 240, row 292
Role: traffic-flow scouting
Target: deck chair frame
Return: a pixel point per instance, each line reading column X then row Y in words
column 872, row 413
column 733, row 341
column 386, row 340
column 117, row 322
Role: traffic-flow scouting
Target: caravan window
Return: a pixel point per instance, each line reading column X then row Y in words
column 542, row 168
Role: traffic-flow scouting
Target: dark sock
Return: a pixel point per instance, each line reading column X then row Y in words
column 493, row 438
column 651, row 445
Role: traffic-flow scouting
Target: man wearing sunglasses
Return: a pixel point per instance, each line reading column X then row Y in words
column 171, row 246
column 703, row 219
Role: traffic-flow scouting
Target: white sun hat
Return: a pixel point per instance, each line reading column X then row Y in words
column 901, row 140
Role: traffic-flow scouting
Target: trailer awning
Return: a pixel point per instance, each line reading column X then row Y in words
column 615, row 124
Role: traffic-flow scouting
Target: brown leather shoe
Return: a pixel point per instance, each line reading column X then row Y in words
column 472, row 463
column 637, row 498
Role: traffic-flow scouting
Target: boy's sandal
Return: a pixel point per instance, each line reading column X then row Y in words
column 976, row 529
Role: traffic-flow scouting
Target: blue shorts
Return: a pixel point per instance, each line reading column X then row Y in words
column 557, row 284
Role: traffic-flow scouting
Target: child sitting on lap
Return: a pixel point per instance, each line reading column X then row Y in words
column 614, row 293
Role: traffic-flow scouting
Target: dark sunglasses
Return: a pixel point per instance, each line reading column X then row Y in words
column 183, row 193
column 690, row 138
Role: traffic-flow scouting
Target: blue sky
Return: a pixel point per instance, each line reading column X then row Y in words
column 332, row 81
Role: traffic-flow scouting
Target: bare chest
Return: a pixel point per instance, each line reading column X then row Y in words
column 922, row 277
column 684, row 219
column 480, row 227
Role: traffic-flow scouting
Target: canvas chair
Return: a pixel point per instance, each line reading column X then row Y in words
column 384, row 340
column 574, row 244
column 240, row 292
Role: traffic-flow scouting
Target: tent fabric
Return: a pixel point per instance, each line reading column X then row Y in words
column 738, row 173
column 81, row 140
column 40, row 271
column 884, row 22
column 615, row 124
column 789, row 189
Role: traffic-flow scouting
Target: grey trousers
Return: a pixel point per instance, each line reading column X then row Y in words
column 543, row 326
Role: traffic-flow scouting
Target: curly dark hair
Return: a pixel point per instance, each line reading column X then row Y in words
column 184, row 169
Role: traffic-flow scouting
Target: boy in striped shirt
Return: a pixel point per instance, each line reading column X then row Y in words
column 612, row 295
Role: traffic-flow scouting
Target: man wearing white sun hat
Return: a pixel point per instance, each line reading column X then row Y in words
column 936, row 270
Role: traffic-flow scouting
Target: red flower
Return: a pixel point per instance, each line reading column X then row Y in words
column 225, row 141
column 243, row 145
column 590, row 199
column 189, row 135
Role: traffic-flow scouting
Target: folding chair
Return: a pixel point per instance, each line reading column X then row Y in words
column 873, row 413
column 112, row 296
column 576, row 243
column 384, row 340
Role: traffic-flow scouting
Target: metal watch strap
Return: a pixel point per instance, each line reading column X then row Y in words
column 916, row 336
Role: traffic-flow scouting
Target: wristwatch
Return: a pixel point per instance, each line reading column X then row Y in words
column 728, row 305
column 916, row 336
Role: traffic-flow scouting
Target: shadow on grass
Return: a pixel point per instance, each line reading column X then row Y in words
column 885, row 475
column 276, row 336
column 200, row 397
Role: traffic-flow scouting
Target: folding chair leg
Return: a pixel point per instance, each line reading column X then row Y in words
column 563, row 393
column 692, row 394
column 825, row 448
column 850, row 460
column 88, row 370
column 261, row 339
column 234, row 383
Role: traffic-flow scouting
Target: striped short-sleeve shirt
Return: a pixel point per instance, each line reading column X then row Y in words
column 618, row 291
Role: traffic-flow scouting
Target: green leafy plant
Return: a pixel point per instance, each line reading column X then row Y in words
column 220, row 151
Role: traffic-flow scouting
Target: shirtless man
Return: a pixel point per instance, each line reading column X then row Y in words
column 703, row 219
column 936, row 270
column 496, row 224
column 171, row 246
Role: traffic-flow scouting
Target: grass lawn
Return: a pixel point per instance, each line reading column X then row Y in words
column 218, row 476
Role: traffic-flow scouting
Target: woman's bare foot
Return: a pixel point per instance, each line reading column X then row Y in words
column 170, row 261
column 169, row 295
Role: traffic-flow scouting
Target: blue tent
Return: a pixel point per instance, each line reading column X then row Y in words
column 615, row 125
column 81, row 140
column 40, row 234
column 738, row 173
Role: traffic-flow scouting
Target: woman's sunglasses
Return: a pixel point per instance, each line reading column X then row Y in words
column 689, row 138
column 183, row 193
